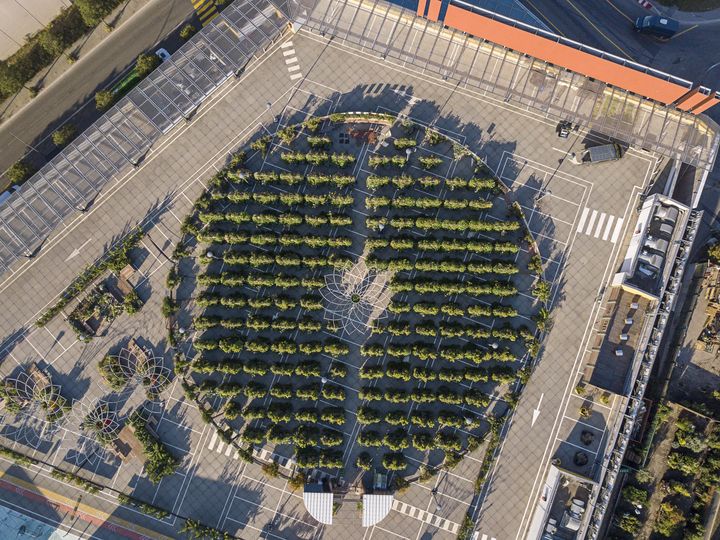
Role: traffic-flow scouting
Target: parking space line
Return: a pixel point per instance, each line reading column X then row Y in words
column 583, row 448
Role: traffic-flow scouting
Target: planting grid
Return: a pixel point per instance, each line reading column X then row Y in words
column 223, row 491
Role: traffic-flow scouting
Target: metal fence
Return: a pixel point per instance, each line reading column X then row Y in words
column 120, row 139
column 394, row 32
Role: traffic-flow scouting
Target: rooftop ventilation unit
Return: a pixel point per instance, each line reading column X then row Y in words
column 624, row 337
column 618, row 352
column 628, row 320
column 634, row 305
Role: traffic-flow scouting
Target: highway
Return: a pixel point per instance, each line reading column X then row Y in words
column 73, row 94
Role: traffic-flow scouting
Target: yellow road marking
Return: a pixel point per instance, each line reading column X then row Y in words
column 620, row 11
column 81, row 507
column 693, row 27
column 545, row 18
column 205, row 20
column 599, row 31
column 205, row 8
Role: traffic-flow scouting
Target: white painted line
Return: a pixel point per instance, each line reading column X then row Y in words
column 229, row 450
column 583, row 217
column 287, row 44
column 212, row 441
column 608, row 227
column 289, row 52
column 599, row 225
column 293, row 68
column 590, row 224
column 291, row 60
column 485, row 536
column 616, row 232
column 295, row 76
column 220, row 447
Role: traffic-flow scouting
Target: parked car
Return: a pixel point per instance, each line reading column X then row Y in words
column 598, row 154
column 662, row 28
column 162, row 54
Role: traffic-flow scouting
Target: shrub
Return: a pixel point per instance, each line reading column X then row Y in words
column 187, row 32
column 104, row 100
column 394, row 462
column 364, row 461
column 669, row 519
column 145, row 64
column 429, row 162
column 93, row 11
column 19, row 172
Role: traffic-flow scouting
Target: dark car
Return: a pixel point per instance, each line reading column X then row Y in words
column 662, row 28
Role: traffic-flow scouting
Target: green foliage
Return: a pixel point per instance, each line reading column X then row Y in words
column 160, row 462
column 76, row 480
column 635, row 495
column 394, row 461
column 64, row 135
column 17, row 457
column 93, row 11
column 144, row 507
column 145, row 64
column 104, row 100
column 629, row 523
column 669, row 519
column 19, row 172
column 187, row 31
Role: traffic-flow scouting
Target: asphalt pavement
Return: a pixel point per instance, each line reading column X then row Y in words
column 607, row 25
column 72, row 96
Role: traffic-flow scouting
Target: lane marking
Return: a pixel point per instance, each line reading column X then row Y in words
column 625, row 54
column 583, row 217
column 295, row 76
column 286, row 45
column 213, row 440
column 288, row 52
column 620, row 11
column 693, row 27
column 289, row 61
column 599, row 225
column 616, row 232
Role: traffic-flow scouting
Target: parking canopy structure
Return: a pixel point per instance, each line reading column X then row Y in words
column 468, row 58
column 122, row 137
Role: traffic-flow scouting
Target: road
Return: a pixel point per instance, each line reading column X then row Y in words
column 72, row 95
column 607, row 25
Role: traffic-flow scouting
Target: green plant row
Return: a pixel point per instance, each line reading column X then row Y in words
column 76, row 480
column 257, row 390
column 436, row 224
column 450, row 353
column 279, row 411
column 283, row 281
column 160, row 462
column 258, row 323
column 448, row 287
column 287, row 219
column 287, row 199
column 385, row 161
column 444, row 266
column 194, row 529
column 272, row 239
column 499, row 374
column 302, row 436
column 489, row 457
column 368, row 415
column 259, row 368
column 441, row 244
column 270, row 177
column 423, row 203
column 310, row 458
column 115, row 259
column 318, row 158
column 452, row 309
column 257, row 259
column 474, row 398
column 449, row 330
column 145, row 508
column 238, row 344
column 308, row 302
column 17, row 457
column 404, row 182
column 382, row 118
column 399, row 439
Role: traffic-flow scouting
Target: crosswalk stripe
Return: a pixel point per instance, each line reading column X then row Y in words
column 196, row 4
column 599, row 225
column 293, row 68
column 590, row 224
column 208, row 16
column 484, row 537
column 229, row 450
column 209, row 6
column 608, row 227
column 286, row 44
column 289, row 61
column 213, row 439
column 616, row 232
column 220, row 447
column 289, row 52
column 583, row 217
column 295, row 76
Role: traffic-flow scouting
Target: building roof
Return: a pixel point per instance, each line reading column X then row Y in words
column 375, row 508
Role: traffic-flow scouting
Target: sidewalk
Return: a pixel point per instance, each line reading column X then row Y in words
column 81, row 48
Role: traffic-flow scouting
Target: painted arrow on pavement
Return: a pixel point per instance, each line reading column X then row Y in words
column 536, row 411
column 75, row 252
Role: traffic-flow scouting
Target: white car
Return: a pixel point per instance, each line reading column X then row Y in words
column 162, row 54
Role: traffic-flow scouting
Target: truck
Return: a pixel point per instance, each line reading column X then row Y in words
column 662, row 28
column 598, row 154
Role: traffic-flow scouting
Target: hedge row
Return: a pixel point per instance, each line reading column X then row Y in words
column 449, row 330
column 405, row 372
column 444, row 266
column 453, row 309
column 287, row 219
column 271, row 177
column 427, row 224
column 273, row 238
column 287, row 199
column 367, row 415
column 279, row 346
column 283, row 281
column 260, row 368
column 448, row 287
column 309, row 302
column 318, row 158
column 257, row 390
column 258, row 323
column 427, row 202
column 441, row 244
column 450, row 353
column 256, row 259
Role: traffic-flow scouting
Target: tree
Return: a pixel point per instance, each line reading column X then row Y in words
column 635, row 495
column 714, row 253
column 19, row 172
column 64, row 135
column 92, row 11
column 364, row 461
column 104, row 99
column 629, row 524
column 187, row 32
column 145, row 64
column 669, row 519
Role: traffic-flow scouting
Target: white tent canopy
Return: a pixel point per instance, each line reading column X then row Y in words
column 375, row 508
column 319, row 505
